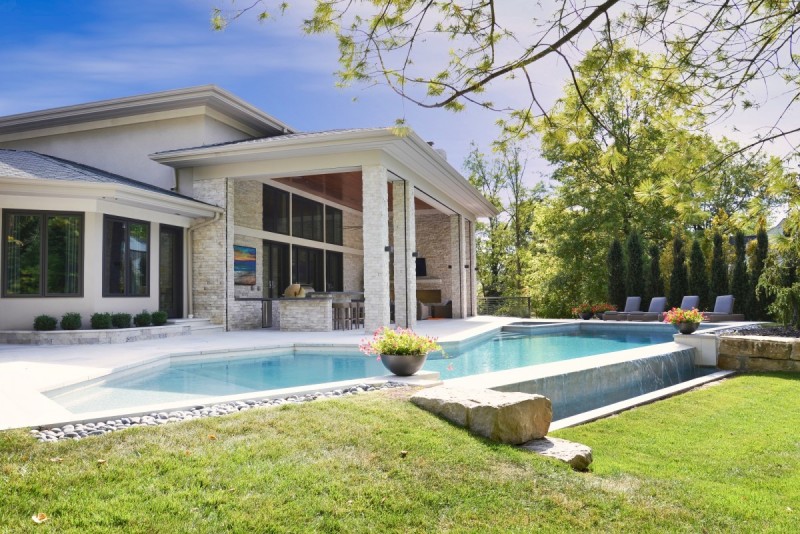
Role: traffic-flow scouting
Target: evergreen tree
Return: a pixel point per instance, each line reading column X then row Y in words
column 739, row 281
column 719, row 270
column 698, row 276
column 616, row 275
column 678, row 278
column 655, row 285
column 760, row 301
column 634, row 279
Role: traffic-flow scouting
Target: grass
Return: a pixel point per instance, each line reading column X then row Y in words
column 722, row 459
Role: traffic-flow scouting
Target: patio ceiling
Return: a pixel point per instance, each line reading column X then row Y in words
column 341, row 187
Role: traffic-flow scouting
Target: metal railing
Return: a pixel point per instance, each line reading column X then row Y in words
column 505, row 306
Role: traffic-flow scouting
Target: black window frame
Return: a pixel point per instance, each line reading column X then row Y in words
column 310, row 217
column 334, row 229
column 275, row 205
column 43, row 252
column 105, row 257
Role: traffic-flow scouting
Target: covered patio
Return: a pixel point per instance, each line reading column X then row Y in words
column 343, row 212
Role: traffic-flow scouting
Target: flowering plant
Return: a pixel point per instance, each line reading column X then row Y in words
column 402, row 341
column 582, row 308
column 677, row 316
column 603, row 307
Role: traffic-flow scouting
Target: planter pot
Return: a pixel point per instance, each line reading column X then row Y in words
column 585, row 315
column 686, row 328
column 403, row 365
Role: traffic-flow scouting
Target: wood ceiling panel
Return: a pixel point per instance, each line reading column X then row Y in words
column 341, row 187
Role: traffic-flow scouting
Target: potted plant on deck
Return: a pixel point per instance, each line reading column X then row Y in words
column 603, row 307
column 401, row 350
column 685, row 321
column 584, row 311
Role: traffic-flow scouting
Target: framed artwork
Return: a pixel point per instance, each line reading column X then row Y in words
column 244, row 265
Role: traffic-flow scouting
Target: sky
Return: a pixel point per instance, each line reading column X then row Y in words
column 59, row 52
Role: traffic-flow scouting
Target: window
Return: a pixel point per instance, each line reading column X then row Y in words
column 307, row 267
column 42, row 254
column 126, row 257
column 333, row 225
column 276, row 210
column 334, row 267
column 306, row 218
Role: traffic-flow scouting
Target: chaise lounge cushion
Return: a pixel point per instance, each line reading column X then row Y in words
column 723, row 310
column 632, row 304
column 653, row 313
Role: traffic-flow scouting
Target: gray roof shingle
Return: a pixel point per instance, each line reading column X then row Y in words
column 32, row 165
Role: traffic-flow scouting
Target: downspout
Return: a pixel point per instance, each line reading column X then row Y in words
column 189, row 276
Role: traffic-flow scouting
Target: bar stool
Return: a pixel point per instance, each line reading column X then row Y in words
column 341, row 316
column 357, row 313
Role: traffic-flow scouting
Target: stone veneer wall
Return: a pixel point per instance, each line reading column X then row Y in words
column 247, row 210
column 434, row 244
column 353, row 264
column 209, row 256
column 757, row 353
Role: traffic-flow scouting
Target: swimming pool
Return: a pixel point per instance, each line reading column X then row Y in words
column 192, row 379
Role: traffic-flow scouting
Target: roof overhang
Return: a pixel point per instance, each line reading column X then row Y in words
column 114, row 193
column 204, row 97
column 434, row 175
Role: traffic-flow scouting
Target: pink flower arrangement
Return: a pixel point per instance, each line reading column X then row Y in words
column 677, row 316
column 603, row 307
column 400, row 341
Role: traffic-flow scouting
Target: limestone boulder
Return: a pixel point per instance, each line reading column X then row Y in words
column 578, row 456
column 506, row 417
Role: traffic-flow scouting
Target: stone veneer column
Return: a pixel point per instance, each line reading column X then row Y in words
column 458, row 280
column 376, row 237
column 209, row 256
column 405, row 276
column 473, row 271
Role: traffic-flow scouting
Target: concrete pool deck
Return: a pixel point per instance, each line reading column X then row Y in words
column 28, row 370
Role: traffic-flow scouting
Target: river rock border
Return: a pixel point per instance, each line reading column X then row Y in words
column 78, row 431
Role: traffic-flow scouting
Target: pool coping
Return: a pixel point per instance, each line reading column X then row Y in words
column 22, row 387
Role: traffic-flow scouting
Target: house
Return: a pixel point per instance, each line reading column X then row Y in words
column 197, row 203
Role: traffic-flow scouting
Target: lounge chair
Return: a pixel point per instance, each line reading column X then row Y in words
column 689, row 302
column 653, row 313
column 632, row 304
column 423, row 311
column 443, row 310
column 723, row 310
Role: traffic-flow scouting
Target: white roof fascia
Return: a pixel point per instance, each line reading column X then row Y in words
column 201, row 97
column 409, row 150
column 116, row 193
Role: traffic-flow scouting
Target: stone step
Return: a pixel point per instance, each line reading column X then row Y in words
column 198, row 325
column 207, row 329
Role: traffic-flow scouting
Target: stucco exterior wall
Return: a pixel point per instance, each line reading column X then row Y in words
column 18, row 313
column 124, row 149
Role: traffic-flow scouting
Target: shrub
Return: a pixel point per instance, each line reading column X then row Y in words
column 143, row 319
column 698, row 275
column 159, row 318
column 100, row 320
column 44, row 323
column 71, row 321
column 719, row 269
column 740, row 281
column 121, row 320
column 616, row 274
column 679, row 277
column 634, row 273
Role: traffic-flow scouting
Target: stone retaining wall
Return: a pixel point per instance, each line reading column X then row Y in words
column 93, row 337
column 758, row 353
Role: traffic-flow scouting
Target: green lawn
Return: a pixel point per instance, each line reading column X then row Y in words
column 722, row 459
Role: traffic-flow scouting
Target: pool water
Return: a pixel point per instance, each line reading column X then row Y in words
column 240, row 375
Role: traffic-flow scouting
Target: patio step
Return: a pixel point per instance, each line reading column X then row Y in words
column 199, row 325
